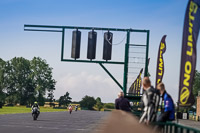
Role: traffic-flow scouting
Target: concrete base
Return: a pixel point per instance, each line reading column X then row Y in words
column 122, row 122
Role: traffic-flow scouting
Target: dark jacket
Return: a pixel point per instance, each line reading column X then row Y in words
column 167, row 108
column 35, row 105
column 122, row 104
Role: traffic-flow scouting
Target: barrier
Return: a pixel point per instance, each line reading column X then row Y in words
column 170, row 127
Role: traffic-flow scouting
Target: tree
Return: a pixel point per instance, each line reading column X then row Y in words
column 65, row 100
column 196, row 83
column 42, row 78
column 99, row 104
column 87, row 102
column 2, row 81
column 25, row 81
column 50, row 97
column 17, row 76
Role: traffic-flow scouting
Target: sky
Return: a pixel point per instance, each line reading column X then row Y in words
column 161, row 17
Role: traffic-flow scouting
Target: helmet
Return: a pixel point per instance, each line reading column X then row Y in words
column 35, row 103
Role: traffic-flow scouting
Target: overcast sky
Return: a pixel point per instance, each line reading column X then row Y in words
column 161, row 17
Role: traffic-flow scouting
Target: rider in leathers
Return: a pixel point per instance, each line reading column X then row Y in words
column 37, row 106
column 150, row 101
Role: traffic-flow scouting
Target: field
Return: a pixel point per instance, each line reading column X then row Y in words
column 23, row 109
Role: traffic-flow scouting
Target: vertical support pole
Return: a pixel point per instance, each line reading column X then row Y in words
column 177, row 120
column 171, row 129
column 167, row 126
column 62, row 47
column 176, row 128
column 181, row 130
column 126, row 62
column 147, row 55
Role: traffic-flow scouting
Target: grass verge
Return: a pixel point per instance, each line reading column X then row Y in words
column 23, row 109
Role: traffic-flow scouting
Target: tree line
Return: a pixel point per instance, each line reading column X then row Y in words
column 87, row 102
column 24, row 81
column 91, row 103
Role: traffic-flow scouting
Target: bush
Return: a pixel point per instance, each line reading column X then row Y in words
column 59, row 107
column 109, row 105
column 10, row 105
column 99, row 104
column 87, row 102
column 28, row 106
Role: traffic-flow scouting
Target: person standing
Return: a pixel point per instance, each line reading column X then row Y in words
column 122, row 103
column 149, row 102
column 167, row 106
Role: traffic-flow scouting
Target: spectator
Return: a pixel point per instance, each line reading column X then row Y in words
column 167, row 106
column 122, row 103
column 149, row 102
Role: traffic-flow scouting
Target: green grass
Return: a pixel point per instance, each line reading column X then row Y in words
column 23, row 109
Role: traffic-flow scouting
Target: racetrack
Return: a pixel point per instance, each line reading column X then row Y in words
column 77, row 122
column 52, row 122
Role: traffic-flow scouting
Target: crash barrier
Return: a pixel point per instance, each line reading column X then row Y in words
column 187, row 116
column 196, row 118
column 170, row 127
column 181, row 115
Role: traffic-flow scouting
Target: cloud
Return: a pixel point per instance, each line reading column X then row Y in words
column 87, row 84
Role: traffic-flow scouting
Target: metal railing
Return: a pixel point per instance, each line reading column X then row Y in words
column 170, row 127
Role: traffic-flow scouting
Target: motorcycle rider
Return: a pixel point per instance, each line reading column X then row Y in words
column 70, row 109
column 76, row 107
column 37, row 106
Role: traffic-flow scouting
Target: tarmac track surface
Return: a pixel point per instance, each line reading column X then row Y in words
column 52, row 122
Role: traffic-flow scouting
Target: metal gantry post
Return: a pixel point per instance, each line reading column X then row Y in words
column 147, row 55
column 51, row 28
column 126, row 62
column 62, row 47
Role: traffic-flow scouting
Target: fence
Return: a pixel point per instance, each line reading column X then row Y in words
column 170, row 127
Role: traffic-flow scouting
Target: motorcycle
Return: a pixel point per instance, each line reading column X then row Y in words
column 76, row 108
column 35, row 113
column 70, row 110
